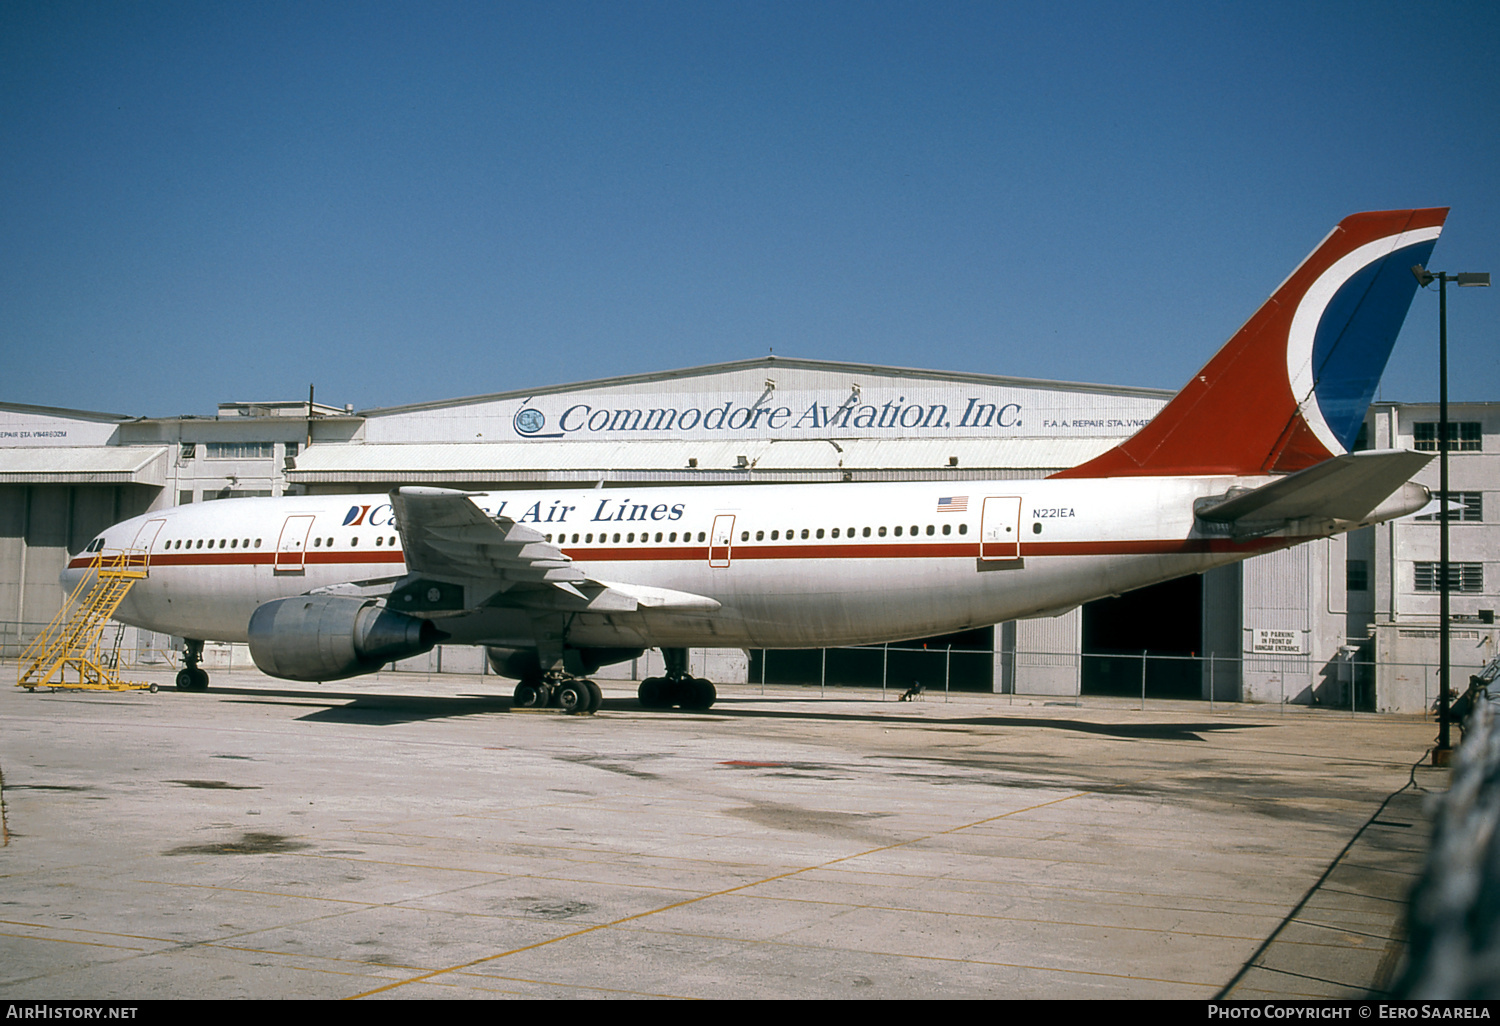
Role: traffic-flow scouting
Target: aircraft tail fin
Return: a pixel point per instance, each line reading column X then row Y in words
column 1291, row 388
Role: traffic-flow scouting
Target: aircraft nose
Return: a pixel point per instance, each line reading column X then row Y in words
column 70, row 575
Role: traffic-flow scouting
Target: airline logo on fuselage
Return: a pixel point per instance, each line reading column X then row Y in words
column 374, row 516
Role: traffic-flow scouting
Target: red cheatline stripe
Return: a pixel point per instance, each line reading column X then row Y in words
column 747, row 550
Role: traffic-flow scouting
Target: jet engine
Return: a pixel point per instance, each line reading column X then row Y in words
column 524, row 664
column 330, row 637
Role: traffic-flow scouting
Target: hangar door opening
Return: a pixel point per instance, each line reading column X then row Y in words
column 964, row 660
column 1165, row 621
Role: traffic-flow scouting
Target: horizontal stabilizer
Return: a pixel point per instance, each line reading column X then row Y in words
column 1348, row 487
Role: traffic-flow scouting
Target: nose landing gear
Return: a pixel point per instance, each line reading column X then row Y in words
column 191, row 677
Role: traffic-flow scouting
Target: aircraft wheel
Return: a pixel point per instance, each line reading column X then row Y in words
column 529, row 695
column 653, row 693
column 698, row 694
column 573, row 697
column 192, row 679
column 596, row 695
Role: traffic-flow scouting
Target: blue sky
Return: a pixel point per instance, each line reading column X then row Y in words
column 401, row 202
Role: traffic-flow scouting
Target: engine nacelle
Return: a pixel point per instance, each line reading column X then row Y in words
column 330, row 637
column 524, row 664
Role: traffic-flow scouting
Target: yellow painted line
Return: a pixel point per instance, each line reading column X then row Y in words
column 69, row 940
column 720, row 893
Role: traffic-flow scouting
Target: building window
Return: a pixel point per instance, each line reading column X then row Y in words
column 1471, row 507
column 189, row 450
column 1356, row 575
column 239, row 450
column 1462, row 577
column 1463, row 436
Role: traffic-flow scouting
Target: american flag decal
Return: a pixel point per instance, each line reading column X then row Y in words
column 953, row 504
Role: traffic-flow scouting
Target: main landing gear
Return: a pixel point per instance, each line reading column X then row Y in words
column 570, row 694
column 191, row 677
column 678, row 687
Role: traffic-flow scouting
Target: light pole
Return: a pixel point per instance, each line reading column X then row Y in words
column 1443, row 751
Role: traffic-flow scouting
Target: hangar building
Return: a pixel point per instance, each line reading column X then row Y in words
column 1348, row 621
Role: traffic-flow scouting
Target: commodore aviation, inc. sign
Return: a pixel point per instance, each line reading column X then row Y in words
column 896, row 416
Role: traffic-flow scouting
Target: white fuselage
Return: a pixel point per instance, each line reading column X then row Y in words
column 791, row 565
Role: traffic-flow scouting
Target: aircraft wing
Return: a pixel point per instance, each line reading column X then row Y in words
column 459, row 558
column 446, row 535
column 1348, row 487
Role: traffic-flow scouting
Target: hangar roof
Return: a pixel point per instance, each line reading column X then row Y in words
column 84, row 465
column 775, row 363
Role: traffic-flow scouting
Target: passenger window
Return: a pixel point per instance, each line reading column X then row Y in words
column 835, row 532
column 744, row 536
column 882, row 532
column 898, row 530
column 379, row 540
column 820, row 532
column 947, row 528
column 929, row 529
column 867, row 532
column 234, row 543
column 775, row 535
column 700, row 535
column 963, row 528
column 804, row 532
column 617, row 538
column 760, row 535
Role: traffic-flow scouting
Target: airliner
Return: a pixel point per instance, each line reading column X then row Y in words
column 1254, row 454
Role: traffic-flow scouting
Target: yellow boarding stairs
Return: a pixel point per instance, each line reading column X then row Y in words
column 70, row 643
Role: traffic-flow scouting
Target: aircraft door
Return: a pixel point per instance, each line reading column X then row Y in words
column 1000, row 528
column 291, row 547
column 721, row 540
column 145, row 538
